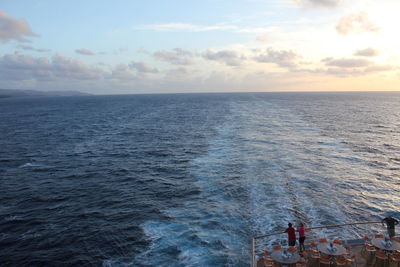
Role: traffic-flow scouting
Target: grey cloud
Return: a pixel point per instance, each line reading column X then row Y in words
column 355, row 23
column 179, row 74
column 179, row 71
column 349, row 67
column 320, row 3
column 143, row 50
column 14, row 29
column 379, row 68
column 122, row 72
column 85, row 52
column 72, row 68
column 120, row 50
column 19, row 67
column 347, row 62
column 26, row 67
column 142, row 67
column 228, row 57
column 177, row 56
column 28, row 47
column 344, row 72
column 367, row 52
column 283, row 58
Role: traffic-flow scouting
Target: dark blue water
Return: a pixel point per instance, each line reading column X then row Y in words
column 187, row 180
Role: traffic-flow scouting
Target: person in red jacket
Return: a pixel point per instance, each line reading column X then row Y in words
column 291, row 235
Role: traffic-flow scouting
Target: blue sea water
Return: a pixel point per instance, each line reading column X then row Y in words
column 189, row 179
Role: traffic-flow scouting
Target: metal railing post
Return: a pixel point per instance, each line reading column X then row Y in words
column 253, row 258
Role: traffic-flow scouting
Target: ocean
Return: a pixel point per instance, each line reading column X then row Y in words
column 189, row 179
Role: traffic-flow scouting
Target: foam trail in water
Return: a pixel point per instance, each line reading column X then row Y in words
column 266, row 167
column 209, row 230
column 294, row 171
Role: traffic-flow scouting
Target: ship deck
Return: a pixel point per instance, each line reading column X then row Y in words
column 381, row 250
column 362, row 258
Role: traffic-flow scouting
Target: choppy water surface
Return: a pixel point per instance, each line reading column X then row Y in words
column 187, row 180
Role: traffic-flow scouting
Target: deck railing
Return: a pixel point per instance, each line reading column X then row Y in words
column 253, row 260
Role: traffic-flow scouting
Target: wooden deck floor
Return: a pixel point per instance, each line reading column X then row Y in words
column 362, row 259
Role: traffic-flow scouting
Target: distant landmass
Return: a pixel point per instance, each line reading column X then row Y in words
column 20, row 93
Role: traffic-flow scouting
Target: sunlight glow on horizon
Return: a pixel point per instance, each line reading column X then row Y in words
column 281, row 45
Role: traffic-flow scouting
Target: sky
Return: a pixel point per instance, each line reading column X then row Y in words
column 181, row 46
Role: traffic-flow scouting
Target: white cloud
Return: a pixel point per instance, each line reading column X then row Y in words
column 356, row 23
column 184, row 27
column 263, row 38
column 14, row 29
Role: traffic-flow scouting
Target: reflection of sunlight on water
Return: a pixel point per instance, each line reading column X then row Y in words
column 337, row 186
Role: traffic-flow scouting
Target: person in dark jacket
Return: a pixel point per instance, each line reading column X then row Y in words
column 390, row 223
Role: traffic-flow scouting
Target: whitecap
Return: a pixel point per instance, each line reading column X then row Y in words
column 27, row 165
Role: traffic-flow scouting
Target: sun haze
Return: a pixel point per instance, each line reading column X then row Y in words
column 176, row 46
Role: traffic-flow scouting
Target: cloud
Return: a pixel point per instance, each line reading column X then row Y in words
column 143, row 50
column 85, row 52
column 25, row 67
column 345, row 67
column 30, row 48
column 367, row 52
column 74, row 69
column 14, row 29
column 380, row 68
column 177, row 56
column 20, row 67
column 180, row 73
column 347, row 62
column 120, row 50
column 186, row 27
column 283, row 58
column 263, row 38
column 142, row 67
column 228, row 57
column 356, row 23
column 122, row 72
column 344, row 72
column 320, row 3
column 134, row 71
